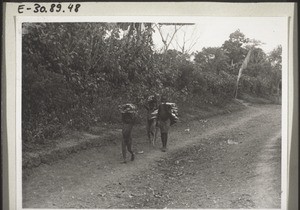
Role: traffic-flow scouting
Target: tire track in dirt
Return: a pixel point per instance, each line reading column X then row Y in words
column 269, row 193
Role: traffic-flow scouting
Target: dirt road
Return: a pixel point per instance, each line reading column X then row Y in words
column 227, row 161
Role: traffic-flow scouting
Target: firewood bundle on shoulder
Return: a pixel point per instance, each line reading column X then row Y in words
column 174, row 113
column 173, row 110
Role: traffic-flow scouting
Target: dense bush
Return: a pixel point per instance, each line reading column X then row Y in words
column 76, row 74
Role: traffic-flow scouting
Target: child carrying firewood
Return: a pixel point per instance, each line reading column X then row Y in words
column 167, row 116
column 151, row 108
column 129, row 112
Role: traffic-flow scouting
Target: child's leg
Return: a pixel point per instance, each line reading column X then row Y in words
column 166, row 140
column 124, row 150
column 163, row 140
column 148, row 130
column 165, row 136
column 129, row 143
column 154, row 132
column 126, row 139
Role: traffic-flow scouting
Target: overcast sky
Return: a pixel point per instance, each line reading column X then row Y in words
column 212, row 32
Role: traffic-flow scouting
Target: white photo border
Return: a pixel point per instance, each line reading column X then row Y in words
column 174, row 19
column 12, row 47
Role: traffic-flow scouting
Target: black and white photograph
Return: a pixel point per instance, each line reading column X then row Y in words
column 152, row 114
column 124, row 108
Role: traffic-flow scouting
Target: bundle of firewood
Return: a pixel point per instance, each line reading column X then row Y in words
column 173, row 112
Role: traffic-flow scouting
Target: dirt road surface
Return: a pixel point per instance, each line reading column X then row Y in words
column 227, row 161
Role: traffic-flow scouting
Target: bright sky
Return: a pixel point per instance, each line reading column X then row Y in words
column 212, row 32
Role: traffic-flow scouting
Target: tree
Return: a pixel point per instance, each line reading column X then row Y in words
column 187, row 41
column 68, row 68
column 275, row 58
column 243, row 66
column 212, row 59
column 234, row 47
column 168, row 35
column 257, row 63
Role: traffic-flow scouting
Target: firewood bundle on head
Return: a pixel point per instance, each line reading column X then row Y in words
column 152, row 99
column 129, row 112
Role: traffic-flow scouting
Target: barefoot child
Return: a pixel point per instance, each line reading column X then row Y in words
column 167, row 116
column 151, row 108
column 128, row 112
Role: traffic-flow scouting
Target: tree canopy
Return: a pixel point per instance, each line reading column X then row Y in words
column 76, row 74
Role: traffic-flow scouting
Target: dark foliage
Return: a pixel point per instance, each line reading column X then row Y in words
column 76, row 74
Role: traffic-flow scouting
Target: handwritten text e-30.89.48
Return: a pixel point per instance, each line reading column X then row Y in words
column 54, row 8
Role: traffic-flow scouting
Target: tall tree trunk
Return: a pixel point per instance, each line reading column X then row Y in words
column 244, row 65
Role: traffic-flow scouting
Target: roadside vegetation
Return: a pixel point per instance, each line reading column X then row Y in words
column 76, row 74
